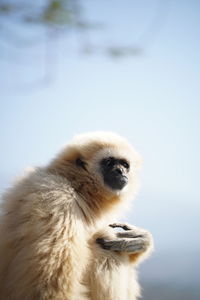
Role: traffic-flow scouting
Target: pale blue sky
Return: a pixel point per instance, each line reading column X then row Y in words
column 151, row 99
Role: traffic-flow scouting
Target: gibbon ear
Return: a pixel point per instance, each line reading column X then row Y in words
column 80, row 163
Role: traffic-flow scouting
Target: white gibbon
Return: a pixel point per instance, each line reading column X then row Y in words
column 55, row 242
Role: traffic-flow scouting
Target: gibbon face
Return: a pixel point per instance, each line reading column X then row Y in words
column 100, row 165
column 112, row 170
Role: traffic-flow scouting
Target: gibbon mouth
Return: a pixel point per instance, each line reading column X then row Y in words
column 115, row 182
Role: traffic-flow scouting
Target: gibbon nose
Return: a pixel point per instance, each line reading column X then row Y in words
column 118, row 171
column 116, row 179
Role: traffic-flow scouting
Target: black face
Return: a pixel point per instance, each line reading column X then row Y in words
column 114, row 172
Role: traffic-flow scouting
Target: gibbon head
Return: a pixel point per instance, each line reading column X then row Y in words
column 101, row 166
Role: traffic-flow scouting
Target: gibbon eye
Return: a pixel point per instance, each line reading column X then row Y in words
column 80, row 163
column 109, row 161
column 125, row 164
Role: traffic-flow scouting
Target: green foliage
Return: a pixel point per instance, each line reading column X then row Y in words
column 5, row 8
column 59, row 12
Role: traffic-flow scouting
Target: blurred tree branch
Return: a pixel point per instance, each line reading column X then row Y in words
column 59, row 17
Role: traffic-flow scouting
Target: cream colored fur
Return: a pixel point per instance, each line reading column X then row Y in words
column 111, row 276
column 49, row 224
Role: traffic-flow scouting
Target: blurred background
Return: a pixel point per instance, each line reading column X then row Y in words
column 69, row 66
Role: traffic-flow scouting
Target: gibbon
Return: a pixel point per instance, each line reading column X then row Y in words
column 55, row 242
